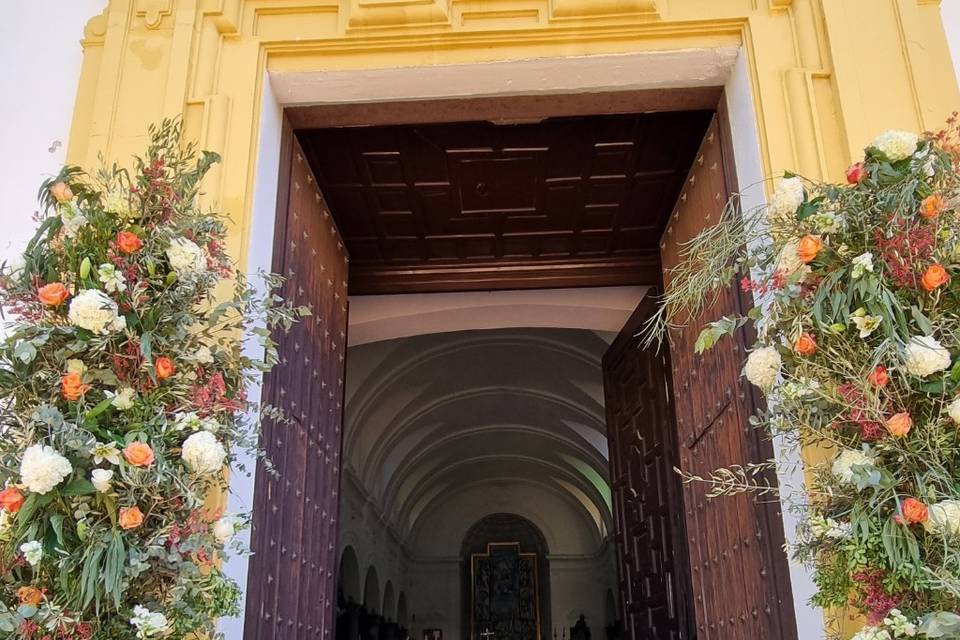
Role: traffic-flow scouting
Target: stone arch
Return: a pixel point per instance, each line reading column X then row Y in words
column 371, row 591
column 402, row 614
column 389, row 602
column 348, row 580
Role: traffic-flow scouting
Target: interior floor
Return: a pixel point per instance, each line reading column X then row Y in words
column 454, row 441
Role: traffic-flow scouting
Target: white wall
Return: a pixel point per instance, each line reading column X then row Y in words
column 40, row 47
column 950, row 13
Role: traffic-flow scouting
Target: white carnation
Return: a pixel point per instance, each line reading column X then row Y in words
column 896, row 145
column 185, row 257
column 32, row 551
column 785, row 201
column 42, row 468
column 124, row 398
column 763, row 367
column 203, row 453
column 847, row 459
column 224, row 529
column 101, row 479
column 925, row 355
column 944, row 518
column 953, row 410
column 149, row 624
column 94, row 311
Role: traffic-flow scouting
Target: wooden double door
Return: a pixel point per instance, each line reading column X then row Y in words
column 688, row 567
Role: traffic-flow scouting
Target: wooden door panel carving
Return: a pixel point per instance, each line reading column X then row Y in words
column 291, row 591
column 643, row 452
column 737, row 568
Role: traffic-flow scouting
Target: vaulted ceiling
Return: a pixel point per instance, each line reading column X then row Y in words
column 443, row 429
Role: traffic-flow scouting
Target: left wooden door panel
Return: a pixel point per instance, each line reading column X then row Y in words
column 291, row 589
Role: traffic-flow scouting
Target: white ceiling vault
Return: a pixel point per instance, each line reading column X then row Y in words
column 443, row 429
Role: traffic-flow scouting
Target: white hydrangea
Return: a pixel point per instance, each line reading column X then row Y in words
column 925, row 355
column 896, row 145
column 124, row 398
column 203, row 453
column 185, row 257
column 32, row 551
column 94, row 311
column 847, row 459
column 872, row 633
column 953, row 410
column 72, row 218
column 944, row 517
column 785, row 201
column 900, row 625
column 42, row 468
column 763, row 367
column 118, row 204
column 111, row 279
column 149, row 624
column 862, row 264
column 101, row 479
column 192, row 422
column 224, row 529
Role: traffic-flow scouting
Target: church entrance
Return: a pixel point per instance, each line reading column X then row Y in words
column 504, row 469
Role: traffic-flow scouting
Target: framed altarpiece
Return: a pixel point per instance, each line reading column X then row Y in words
column 505, row 602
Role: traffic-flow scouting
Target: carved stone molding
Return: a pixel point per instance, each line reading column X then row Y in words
column 154, row 11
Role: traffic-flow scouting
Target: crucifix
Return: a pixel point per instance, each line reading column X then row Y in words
column 487, row 634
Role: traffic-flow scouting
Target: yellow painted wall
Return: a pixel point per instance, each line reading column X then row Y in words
column 827, row 75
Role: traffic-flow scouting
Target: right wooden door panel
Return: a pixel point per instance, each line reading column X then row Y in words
column 737, row 567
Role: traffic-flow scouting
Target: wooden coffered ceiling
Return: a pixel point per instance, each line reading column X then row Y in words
column 567, row 201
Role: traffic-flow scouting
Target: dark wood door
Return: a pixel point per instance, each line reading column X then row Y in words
column 291, row 592
column 737, row 566
column 651, row 563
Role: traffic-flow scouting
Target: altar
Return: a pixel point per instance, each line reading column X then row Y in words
column 505, row 603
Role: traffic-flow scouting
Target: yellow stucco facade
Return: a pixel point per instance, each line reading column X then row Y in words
column 825, row 75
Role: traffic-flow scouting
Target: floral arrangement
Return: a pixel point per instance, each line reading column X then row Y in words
column 857, row 350
column 123, row 382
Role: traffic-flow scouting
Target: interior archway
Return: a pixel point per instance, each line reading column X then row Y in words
column 402, row 614
column 371, row 591
column 389, row 603
column 349, row 577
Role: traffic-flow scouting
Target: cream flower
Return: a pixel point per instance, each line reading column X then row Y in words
column 76, row 366
column 224, row 529
column 192, row 422
column 789, row 262
column 124, row 398
column 101, row 479
column 42, row 468
column 92, row 310
column 149, row 624
column 953, row 410
column 105, row 451
column 72, row 218
column 925, row 355
column 117, row 203
column 866, row 324
column 203, row 355
column 203, row 453
column 896, row 145
column 763, row 367
column 861, row 264
column 785, row 201
column 111, row 279
column 872, row 633
column 32, row 551
column 185, row 257
column 847, row 459
column 944, row 518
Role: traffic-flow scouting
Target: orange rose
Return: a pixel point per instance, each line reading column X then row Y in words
column 139, row 454
column 72, row 387
column 932, row 206
column 129, row 242
column 131, row 517
column 914, row 511
column 808, row 248
column 898, row 425
column 53, row 294
column 805, row 344
column 61, row 192
column 934, row 277
column 11, row 499
column 164, row 367
column 879, row 376
column 30, row 595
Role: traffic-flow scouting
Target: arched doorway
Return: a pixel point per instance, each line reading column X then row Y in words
column 348, row 579
column 371, row 591
column 505, row 580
